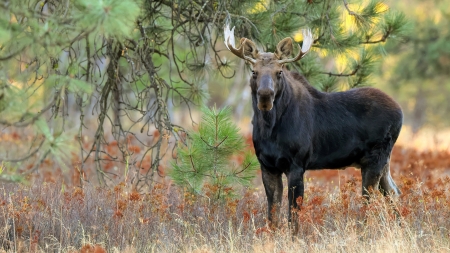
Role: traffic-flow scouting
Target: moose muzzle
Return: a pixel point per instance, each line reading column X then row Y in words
column 265, row 94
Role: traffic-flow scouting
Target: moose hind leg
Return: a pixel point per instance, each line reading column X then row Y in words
column 387, row 184
column 389, row 189
column 374, row 167
column 370, row 180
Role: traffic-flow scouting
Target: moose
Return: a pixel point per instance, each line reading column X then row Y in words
column 297, row 127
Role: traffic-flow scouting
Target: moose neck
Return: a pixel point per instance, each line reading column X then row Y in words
column 265, row 121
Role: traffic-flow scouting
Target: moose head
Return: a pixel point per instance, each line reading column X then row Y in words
column 267, row 74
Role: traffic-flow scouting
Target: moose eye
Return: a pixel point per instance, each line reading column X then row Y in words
column 279, row 74
column 254, row 74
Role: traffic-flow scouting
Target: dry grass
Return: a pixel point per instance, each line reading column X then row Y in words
column 49, row 216
column 44, row 218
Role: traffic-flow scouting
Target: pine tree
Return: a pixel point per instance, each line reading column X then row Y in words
column 125, row 66
column 205, row 159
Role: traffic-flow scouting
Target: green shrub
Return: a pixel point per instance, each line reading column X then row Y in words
column 214, row 157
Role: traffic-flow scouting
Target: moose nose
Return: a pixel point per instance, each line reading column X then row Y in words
column 265, row 92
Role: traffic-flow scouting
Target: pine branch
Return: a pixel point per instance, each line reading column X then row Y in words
column 354, row 72
column 192, row 163
column 350, row 12
column 383, row 39
column 4, row 58
column 211, row 146
column 246, row 167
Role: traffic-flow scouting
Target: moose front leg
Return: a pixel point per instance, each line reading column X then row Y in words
column 274, row 191
column 296, row 189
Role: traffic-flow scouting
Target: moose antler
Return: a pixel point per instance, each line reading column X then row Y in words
column 307, row 42
column 229, row 43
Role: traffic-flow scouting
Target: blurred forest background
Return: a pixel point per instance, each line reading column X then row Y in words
column 104, row 90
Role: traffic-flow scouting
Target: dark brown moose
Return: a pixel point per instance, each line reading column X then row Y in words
column 298, row 128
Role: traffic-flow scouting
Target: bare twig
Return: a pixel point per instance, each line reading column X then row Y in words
column 27, row 156
column 342, row 74
column 27, row 122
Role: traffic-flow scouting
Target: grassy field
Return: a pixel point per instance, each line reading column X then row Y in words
column 47, row 215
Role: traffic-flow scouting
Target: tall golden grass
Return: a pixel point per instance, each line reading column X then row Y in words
column 52, row 216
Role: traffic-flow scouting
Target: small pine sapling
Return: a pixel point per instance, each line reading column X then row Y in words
column 214, row 157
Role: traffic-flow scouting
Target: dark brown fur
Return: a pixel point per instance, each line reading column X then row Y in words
column 298, row 128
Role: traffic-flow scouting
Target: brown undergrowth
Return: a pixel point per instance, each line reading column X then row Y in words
column 52, row 216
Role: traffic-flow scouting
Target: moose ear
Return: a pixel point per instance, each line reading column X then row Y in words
column 249, row 48
column 284, row 48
